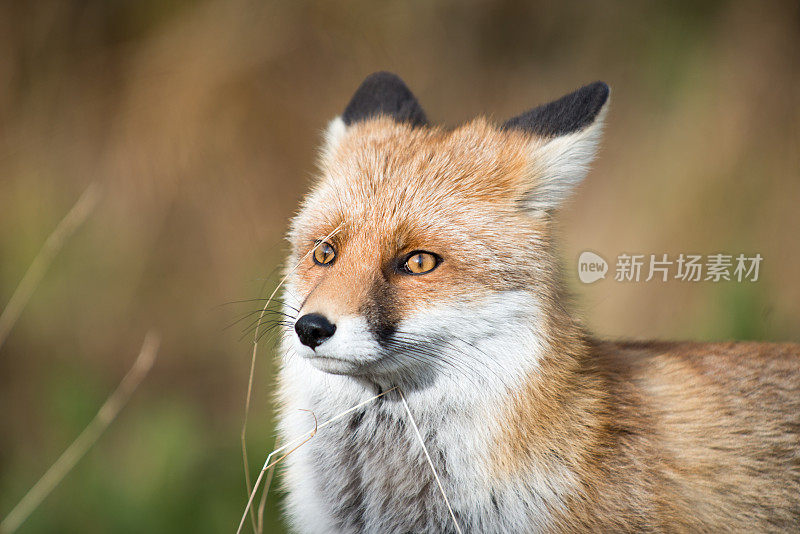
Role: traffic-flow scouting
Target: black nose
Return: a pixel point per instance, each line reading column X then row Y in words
column 313, row 329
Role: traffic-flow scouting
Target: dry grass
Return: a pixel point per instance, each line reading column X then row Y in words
column 430, row 462
column 298, row 442
column 295, row 444
column 76, row 216
column 78, row 448
column 258, row 523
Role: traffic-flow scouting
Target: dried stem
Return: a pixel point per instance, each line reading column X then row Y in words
column 72, row 220
column 294, row 445
column 107, row 413
column 430, row 463
column 245, row 459
column 264, row 494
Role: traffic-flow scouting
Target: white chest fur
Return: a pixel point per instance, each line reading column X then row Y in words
column 367, row 471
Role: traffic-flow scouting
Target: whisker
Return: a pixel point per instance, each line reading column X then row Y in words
column 444, row 355
column 260, row 319
column 273, row 327
column 433, row 357
column 251, row 313
column 270, row 326
column 256, row 337
column 256, row 300
column 267, row 319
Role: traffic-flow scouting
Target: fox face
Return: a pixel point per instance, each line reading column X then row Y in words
column 419, row 241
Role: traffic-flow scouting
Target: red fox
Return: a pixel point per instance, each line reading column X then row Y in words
column 424, row 259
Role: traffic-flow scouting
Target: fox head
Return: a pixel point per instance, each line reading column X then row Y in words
column 424, row 252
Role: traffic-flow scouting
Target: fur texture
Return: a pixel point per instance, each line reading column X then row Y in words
column 532, row 424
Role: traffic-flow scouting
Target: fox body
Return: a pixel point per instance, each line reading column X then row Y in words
column 423, row 259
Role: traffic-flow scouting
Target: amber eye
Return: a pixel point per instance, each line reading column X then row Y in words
column 324, row 254
column 421, row 263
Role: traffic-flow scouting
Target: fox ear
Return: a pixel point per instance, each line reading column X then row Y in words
column 384, row 93
column 332, row 137
column 381, row 93
column 565, row 134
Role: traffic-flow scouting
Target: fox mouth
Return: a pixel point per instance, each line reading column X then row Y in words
column 396, row 359
column 347, row 346
column 386, row 357
column 346, row 366
column 332, row 360
column 452, row 343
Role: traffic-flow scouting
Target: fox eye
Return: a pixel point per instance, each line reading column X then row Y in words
column 324, row 254
column 421, row 263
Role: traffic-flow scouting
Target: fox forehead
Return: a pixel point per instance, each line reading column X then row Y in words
column 411, row 183
column 382, row 163
column 390, row 188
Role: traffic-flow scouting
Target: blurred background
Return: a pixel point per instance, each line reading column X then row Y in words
column 200, row 119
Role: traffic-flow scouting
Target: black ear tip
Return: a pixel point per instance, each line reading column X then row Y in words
column 599, row 92
column 383, row 77
column 382, row 82
column 569, row 113
column 384, row 93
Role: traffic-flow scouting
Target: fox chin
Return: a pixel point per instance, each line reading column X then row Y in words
column 424, row 261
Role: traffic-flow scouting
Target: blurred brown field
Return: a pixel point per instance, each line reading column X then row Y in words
column 200, row 120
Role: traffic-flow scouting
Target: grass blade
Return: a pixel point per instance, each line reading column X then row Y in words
column 80, row 211
column 78, row 448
